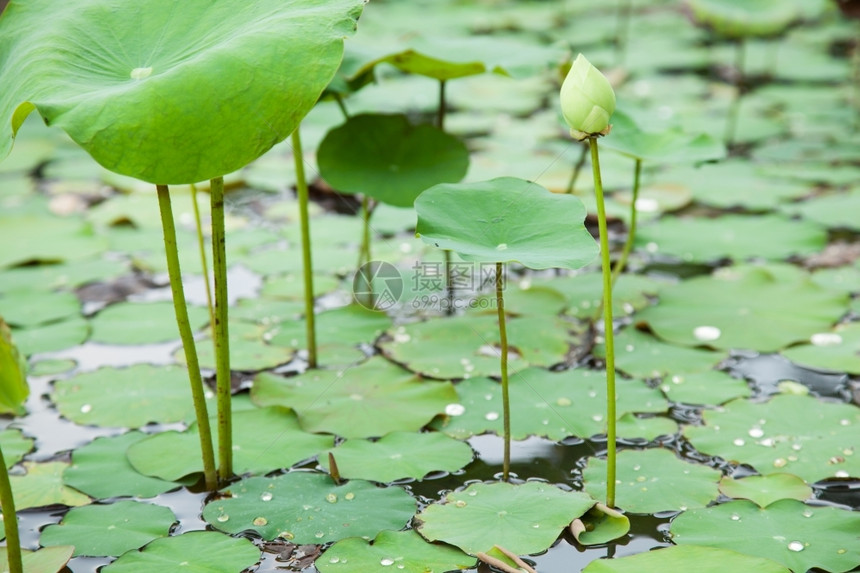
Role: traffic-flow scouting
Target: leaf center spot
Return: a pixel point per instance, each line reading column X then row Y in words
column 141, row 73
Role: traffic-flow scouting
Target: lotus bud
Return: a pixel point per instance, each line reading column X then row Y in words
column 587, row 100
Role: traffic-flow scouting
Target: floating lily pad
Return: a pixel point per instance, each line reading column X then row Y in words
column 146, row 394
column 42, row 485
column 249, row 350
column 789, row 532
column 551, row 404
column 106, row 457
column 707, row 240
column 193, row 552
column 669, row 146
column 583, row 291
column 654, row 480
column 685, row 558
column 111, row 529
column 768, row 437
column 524, row 518
column 28, row 307
column 115, row 101
column 349, row 402
column 348, row 325
column 13, row 375
column 45, row 560
column 600, row 524
column 829, row 350
column 704, row 388
column 142, row 322
column 52, row 337
column 15, row 446
column 29, row 238
column 399, row 455
column 740, row 19
column 832, row 211
column 764, row 490
column 640, row 354
column 468, row 346
column 282, row 445
column 747, row 307
column 405, row 549
column 387, row 158
column 523, row 222
column 305, row 507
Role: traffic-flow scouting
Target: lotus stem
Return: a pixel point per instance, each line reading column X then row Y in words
column 440, row 113
column 503, row 341
column 197, row 392
column 364, row 252
column 10, row 520
column 221, row 334
column 449, row 286
column 607, row 325
column 631, row 231
column 307, row 263
column 577, row 169
column 203, row 263
column 735, row 106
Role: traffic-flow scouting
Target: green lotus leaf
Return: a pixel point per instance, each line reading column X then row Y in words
column 111, row 529
column 506, row 220
column 387, row 158
column 13, row 374
column 601, row 524
column 829, row 350
column 132, row 84
column 764, row 490
column 193, row 552
column 42, row 485
column 51, row 337
column 15, row 446
column 142, row 323
column 685, row 558
column 305, row 507
column 669, row 146
column 46, row 560
column 27, row 307
column 398, row 455
column 710, row 387
column 654, row 480
column 404, row 549
column 743, row 18
column 766, row 436
column 788, row 531
column 524, row 518
column 42, row 238
column 640, row 354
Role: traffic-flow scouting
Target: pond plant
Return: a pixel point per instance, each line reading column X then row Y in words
column 140, row 105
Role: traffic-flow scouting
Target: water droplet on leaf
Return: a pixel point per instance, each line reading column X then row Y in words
column 706, row 333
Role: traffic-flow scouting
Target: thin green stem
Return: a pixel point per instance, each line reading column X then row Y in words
column 197, row 392
column 10, row 520
column 449, row 285
column 607, row 325
column 339, row 100
column 577, row 168
column 221, row 334
column 503, row 341
column 735, row 106
column 364, row 252
column 440, row 113
column 204, row 264
column 302, row 189
column 631, row 231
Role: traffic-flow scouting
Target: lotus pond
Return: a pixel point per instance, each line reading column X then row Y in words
column 407, row 369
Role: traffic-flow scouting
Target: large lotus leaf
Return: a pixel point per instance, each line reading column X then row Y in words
column 710, row 387
column 764, row 490
column 13, row 374
column 125, row 397
column 399, row 455
column 768, row 436
column 28, row 307
column 106, row 457
column 249, row 349
column 132, row 84
column 405, row 549
column 15, row 446
column 789, row 532
column 112, row 529
column 42, row 485
column 387, row 158
column 142, row 323
column 551, row 404
column 193, row 552
column 468, row 346
column 42, row 238
column 685, row 558
column 640, row 354
column 524, row 518
column 669, row 146
column 742, row 18
column 506, row 220
column 64, row 275
column 47, row 560
column 836, row 350
column 52, row 337
column 584, row 292
column 349, row 402
column 349, row 325
column 734, row 236
column 829, row 210
column 264, row 440
column 305, row 507
column 747, row 308
column 654, row 480
column 524, row 301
